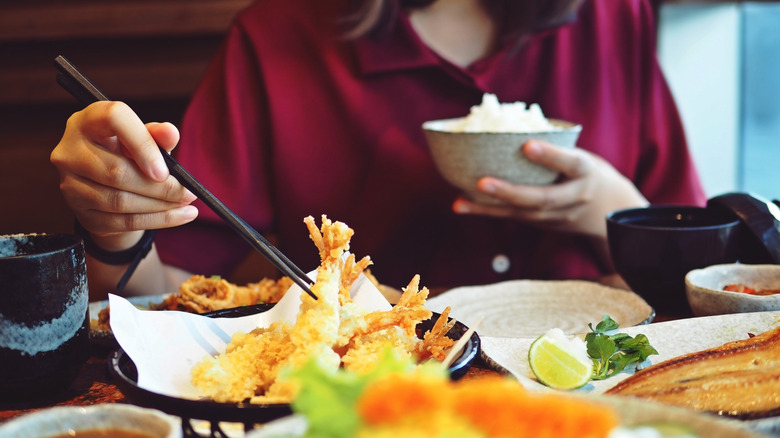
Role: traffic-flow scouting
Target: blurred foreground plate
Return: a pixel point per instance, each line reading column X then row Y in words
column 72, row 421
column 632, row 412
column 528, row 308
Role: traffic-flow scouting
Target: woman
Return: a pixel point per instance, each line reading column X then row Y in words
column 315, row 108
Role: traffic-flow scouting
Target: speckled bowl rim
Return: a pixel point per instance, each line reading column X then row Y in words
column 68, row 242
column 694, row 277
column 431, row 125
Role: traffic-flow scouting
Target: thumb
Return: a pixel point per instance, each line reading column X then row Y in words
column 164, row 134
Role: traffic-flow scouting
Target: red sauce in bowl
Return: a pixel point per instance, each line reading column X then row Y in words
column 741, row 288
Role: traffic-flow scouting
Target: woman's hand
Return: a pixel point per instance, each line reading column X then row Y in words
column 588, row 189
column 114, row 178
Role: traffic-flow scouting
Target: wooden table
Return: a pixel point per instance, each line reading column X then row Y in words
column 94, row 384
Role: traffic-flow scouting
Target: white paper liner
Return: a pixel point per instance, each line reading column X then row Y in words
column 165, row 345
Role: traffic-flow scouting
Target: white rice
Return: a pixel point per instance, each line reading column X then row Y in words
column 492, row 116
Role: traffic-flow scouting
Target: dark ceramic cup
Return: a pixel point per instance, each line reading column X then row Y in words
column 44, row 316
column 653, row 248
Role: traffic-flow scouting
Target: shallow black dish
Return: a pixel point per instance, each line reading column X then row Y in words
column 122, row 368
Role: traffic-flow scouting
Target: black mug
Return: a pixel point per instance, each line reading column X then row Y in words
column 44, row 315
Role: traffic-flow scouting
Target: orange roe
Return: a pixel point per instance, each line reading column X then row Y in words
column 503, row 408
column 564, row 416
column 498, row 406
column 493, row 404
column 402, row 396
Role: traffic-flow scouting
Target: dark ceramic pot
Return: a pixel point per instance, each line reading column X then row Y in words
column 44, row 315
column 653, row 249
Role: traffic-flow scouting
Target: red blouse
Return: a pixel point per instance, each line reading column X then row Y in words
column 291, row 120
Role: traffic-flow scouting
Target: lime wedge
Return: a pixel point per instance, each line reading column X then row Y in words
column 560, row 362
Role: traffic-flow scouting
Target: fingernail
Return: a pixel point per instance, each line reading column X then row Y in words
column 189, row 212
column 532, row 148
column 460, row 207
column 487, row 186
column 160, row 170
column 189, row 196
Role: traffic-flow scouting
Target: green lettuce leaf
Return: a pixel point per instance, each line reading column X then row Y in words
column 328, row 399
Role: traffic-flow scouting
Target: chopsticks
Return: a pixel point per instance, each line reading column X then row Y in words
column 72, row 80
column 457, row 348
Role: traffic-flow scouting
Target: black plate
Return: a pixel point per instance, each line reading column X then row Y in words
column 123, row 369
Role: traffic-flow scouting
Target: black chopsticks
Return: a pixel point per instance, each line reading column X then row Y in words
column 72, row 80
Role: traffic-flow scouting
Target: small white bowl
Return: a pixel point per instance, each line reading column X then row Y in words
column 64, row 420
column 704, row 289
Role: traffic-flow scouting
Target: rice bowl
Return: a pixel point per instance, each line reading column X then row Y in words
column 463, row 158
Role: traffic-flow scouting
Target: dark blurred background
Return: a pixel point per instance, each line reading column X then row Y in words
column 148, row 53
column 151, row 54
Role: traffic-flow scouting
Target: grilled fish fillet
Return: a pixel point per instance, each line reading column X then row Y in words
column 739, row 379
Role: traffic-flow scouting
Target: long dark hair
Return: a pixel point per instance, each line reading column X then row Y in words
column 513, row 18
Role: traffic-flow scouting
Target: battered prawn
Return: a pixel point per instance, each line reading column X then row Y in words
column 316, row 329
column 364, row 338
column 409, row 312
column 332, row 329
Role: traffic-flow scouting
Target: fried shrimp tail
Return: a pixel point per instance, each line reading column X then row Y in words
column 435, row 342
column 349, row 274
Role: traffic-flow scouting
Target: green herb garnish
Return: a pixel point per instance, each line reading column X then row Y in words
column 612, row 353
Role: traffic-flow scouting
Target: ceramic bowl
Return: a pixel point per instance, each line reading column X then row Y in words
column 464, row 157
column 704, row 289
column 67, row 420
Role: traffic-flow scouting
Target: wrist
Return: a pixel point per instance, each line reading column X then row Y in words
column 116, row 242
column 119, row 251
